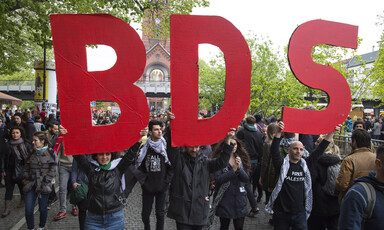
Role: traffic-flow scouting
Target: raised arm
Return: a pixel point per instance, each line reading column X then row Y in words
column 173, row 153
column 130, row 157
column 222, row 161
column 319, row 151
column 277, row 160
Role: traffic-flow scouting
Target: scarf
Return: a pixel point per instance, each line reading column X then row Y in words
column 19, row 144
column 105, row 167
column 112, row 165
column 251, row 128
column 219, row 195
column 279, row 185
column 41, row 151
column 160, row 147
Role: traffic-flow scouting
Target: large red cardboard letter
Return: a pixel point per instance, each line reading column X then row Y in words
column 317, row 76
column 186, row 33
column 77, row 87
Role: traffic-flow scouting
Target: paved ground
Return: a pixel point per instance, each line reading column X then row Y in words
column 132, row 215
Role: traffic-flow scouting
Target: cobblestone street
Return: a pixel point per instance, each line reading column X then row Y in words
column 132, row 215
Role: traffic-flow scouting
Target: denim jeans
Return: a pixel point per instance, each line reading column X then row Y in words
column 286, row 221
column 30, row 199
column 113, row 221
column 147, row 202
column 64, row 177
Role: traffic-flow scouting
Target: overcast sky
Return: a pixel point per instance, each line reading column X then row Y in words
column 278, row 19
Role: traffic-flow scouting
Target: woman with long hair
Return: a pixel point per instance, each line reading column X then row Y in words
column 13, row 166
column 231, row 196
column 105, row 187
column 39, row 171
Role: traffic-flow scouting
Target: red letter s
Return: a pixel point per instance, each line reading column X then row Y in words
column 314, row 75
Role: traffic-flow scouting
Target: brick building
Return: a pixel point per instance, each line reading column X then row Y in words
column 156, row 77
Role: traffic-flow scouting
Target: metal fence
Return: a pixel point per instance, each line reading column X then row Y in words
column 344, row 143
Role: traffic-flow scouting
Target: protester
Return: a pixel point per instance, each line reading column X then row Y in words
column 324, row 171
column 3, row 148
column 253, row 140
column 356, row 164
column 38, row 125
column 268, row 176
column 356, row 202
column 229, row 184
column 291, row 200
column 104, row 172
column 39, row 171
column 65, row 170
column 79, row 178
column 13, row 166
column 153, row 162
column 188, row 200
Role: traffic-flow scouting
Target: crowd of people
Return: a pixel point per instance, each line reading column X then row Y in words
column 303, row 179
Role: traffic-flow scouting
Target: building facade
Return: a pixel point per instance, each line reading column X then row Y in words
column 156, row 79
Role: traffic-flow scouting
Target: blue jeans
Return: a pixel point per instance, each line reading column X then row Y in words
column 286, row 221
column 113, row 221
column 30, row 199
column 64, row 177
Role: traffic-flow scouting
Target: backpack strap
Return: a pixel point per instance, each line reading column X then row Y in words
column 371, row 200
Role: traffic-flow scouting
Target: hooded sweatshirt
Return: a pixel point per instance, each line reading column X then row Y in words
column 355, row 201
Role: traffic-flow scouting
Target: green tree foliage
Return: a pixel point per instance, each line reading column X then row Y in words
column 273, row 84
column 377, row 73
column 212, row 83
column 25, row 24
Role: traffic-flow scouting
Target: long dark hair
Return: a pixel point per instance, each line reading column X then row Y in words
column 114, row 155
column 240, row 151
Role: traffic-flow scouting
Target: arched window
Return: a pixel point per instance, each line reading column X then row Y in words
column 156, row 75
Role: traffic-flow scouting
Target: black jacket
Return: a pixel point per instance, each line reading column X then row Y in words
column 157, row 181
column 104, row 185
column 323, row 204
column 253, row 143
column 233, row 204
column 188, row 199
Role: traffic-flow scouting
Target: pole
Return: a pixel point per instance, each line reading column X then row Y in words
column 44, row 74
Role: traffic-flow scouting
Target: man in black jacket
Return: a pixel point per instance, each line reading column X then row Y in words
column 153, row 162
column 188, row 200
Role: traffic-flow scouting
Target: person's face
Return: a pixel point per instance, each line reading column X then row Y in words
column 264, row 131
column 103, row 158
column 234, row 143
column 17, row 119
column 156, row 132
column 107, row 119
column 37, row 143
column 192, row 150
column 296, row 151
column 54, row 130
column 359, row 126
column 16, row 134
